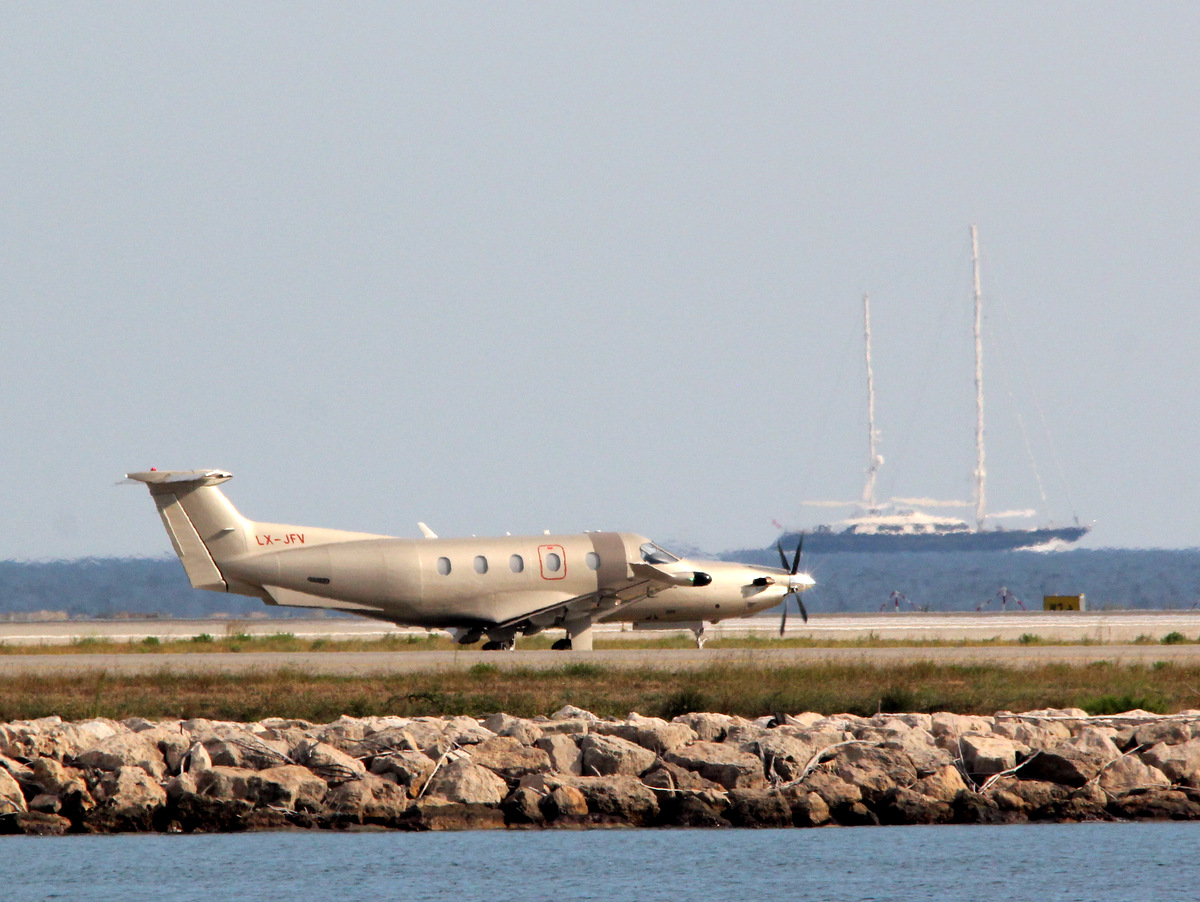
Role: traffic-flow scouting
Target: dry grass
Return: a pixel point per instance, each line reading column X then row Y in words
column 234, row 641
column 743, row 689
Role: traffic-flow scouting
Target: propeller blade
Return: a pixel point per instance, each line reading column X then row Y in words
column 783, row 620
column 796, row 559
column 803, row 610
column 782, row 556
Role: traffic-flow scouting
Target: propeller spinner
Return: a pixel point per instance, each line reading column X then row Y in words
column 795, row 585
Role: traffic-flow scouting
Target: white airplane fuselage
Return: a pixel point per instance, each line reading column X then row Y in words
column 493, row 586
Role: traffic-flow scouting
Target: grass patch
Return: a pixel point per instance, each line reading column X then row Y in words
column 746, row 689
column 236, row 639
column 90, row 643
column 584, row 670
column 1116, row 704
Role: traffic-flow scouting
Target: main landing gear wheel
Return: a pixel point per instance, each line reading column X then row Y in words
column 499, row 646
column 562, row 645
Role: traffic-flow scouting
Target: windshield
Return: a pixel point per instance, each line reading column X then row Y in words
column 653, row 554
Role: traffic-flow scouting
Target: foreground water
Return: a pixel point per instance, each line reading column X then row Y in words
column 1130, row 862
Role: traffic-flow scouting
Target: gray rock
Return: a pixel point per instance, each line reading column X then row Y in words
column 1129, row 773
column 760, row 807
column 671, row 777
column 286, row 786
column 524, row 731
column 926, row 757
column 183, row 784
column 224, row 782
column 11, row 797
column 616, row 798
column 172, row 743
column 127, row 799
column 875, row 771
column 56, row 777
column 371, row 800
column 344, row 734
column 783, row 756
column 563, row 751
column 244, row 749
column 464, row 731
column 125, row 750
column 196, row 760
column 946, row 728
column 564, row 802
column 988, row 754
column 1066, row 764
column 904, row 806
column 328, row 762
column 943, row 784
column 523, row 806
column 436, row 813
column 45, row 802
column 1181, row 762
column 722, row 763
column 508, row 758
column 1170, row 732
column 607, row 755
column 461, row 780
column 652, row 733
column 570, row 712
column 708, row 727
column 410, row 770
column 808, row 808
column 1163, row 804
column 18, row 770
column 34, row 823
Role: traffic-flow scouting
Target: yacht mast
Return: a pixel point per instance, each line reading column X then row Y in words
column 980, row 469
column 874, row 461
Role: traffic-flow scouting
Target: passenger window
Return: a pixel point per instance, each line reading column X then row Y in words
column 553, row 562
column 592, row 560
column 516, row 563
column 444, row 566
column 480, row 564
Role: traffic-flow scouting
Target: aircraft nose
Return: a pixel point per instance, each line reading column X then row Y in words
column 798, row 582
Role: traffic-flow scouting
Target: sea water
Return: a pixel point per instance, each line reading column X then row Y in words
column 1129, row 862
column 1110, row 578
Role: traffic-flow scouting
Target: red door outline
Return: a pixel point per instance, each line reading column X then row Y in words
column 544, row 550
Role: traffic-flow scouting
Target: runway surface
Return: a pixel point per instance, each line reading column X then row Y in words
column 1118, row 628
column 1097, row 626
column 368, row 663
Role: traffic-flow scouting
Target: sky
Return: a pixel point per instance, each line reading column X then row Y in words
column 508, row 267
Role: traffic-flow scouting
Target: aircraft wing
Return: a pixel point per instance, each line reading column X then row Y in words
column 596, row 606
column 655, row 574
column 294, row 599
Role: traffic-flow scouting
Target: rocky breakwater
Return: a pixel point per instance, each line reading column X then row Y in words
column 577, row 770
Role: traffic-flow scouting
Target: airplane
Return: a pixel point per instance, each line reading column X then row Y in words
column 496, row 587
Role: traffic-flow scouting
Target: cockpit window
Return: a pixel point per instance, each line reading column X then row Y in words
column 653, row 554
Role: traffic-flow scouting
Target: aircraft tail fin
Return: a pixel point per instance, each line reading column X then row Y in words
column 205, row 528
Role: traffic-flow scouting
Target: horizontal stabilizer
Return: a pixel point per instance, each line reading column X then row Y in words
column 163, row 477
